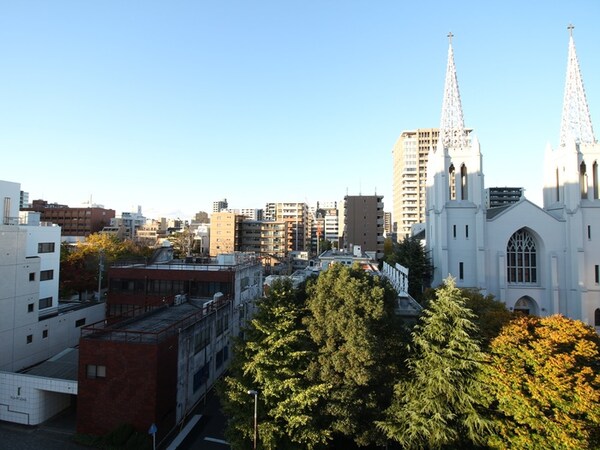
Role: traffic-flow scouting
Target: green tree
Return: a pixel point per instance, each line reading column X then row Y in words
column 324, row 245
column 352, row 321
column 183, row 242
column 274, row 361
column 544, row 378
column 442, row 401
column 411, row 254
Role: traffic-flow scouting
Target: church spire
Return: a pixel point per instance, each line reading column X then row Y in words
column 452, row 126
column 576, row 122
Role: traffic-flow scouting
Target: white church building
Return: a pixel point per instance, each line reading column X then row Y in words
column 541, row 261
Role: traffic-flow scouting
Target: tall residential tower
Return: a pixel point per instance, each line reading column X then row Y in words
column 410, row 177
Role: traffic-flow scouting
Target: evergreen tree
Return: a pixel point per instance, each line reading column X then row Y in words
column 274, row 360
column 544, row 378
column 441, row 403
column 411, row 254
column 352, row 322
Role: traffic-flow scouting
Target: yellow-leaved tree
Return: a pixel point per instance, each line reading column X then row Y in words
column 544, row 382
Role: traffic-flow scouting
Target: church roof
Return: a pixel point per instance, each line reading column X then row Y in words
column 452, row 125
column 494, row 213
column 576, row 122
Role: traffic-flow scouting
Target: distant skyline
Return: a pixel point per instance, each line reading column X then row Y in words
column 174, row 105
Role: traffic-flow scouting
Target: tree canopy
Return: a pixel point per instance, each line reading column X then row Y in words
column 274, row 360
column 411, row 254
column 441, row 402
column 353, row 324
column 544, row 379
column 80, row 263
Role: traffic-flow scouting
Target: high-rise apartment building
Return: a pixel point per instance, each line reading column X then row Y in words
column 265, row 238
column 410, row 177
column 296, row 214
column 224, row 232
column 363, row 223
column 502, row 196
column 220, row 205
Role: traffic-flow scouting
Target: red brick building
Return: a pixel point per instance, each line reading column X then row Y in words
column 76, row 222
column 166, row 341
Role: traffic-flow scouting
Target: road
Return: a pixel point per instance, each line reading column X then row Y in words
column 53, row 436
column 58, row 432
column 208, row 433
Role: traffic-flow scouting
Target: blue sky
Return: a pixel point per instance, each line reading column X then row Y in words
column 172, row 105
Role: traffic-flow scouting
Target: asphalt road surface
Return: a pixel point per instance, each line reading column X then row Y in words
column 208, row 433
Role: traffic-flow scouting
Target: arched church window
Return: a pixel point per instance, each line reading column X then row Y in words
column 597, row 317
column 452, row 182
column 521, row 257
column 557, row 187
column 595, row 179
column 583, row 180
column 463, row 183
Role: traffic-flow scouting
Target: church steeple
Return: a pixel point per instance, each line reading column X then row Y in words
column 576, row 122
column 452, row 126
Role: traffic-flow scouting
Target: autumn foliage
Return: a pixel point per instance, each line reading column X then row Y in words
column 544, row 378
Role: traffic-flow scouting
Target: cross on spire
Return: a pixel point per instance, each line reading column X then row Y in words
column 450, row 36
column 576, row 122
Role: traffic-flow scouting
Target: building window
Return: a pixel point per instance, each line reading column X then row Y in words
column 463, row 183
column 201, row 339
column 46, row 247
column 6, row 212
column 467, row 231
column 45, row 302
column 30, row 307
column 597, row 273
column 94, row 371
column 521, row 258
column 454, row 231
column 46, row 275
column 461, row 271
column 452, row 182
column 29, row 338
column 222, row 323
column 44, row 334
column 589, row 228
column 583, row 180
column 80, row 323
column 32, row 276
column 557, row 186
column 201, row 377
column 595, row 179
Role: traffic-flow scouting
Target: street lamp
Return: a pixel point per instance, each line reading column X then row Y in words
column 255, row 394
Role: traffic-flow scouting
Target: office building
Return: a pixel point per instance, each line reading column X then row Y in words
column 75, row 223
column 363, row 224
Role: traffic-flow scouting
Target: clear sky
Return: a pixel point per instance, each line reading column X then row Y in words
column 172, row 105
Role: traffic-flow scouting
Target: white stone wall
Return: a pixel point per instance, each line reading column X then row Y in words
column 31, row 400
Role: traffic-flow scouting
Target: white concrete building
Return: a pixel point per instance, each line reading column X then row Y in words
column 34, row 326
column 539, row 260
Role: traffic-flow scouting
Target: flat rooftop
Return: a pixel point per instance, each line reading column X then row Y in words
column 156, row 325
